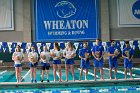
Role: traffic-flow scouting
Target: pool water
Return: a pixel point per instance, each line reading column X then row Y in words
column 115, row 89
column 9, row 76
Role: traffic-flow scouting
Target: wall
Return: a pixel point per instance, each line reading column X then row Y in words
column 104, row 20
column 108, row 23
column 120, row 32
column 22, row 30
column 23, row 11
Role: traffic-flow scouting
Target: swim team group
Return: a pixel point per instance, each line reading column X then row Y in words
column 97, row 51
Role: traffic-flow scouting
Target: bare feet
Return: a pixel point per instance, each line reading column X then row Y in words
column 102, row 79
column 54, row 80
column 60, row 80
column 66, row 80
column 131, row 78
column 79, row 79
column 73, row 79
column 125, row 78
column 115, row 79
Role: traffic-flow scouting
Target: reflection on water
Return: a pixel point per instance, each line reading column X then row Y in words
column 114, row 89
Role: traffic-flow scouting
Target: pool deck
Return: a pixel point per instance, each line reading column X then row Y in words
column 89, row 83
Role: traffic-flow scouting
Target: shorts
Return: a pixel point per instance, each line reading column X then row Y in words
column 69, row 61
column 128, row 64
column 45, row 66
column 56, row 61
column 98, row 63
column 113, row 64
column 85, row 64
column 17, row 65
column 33, row 65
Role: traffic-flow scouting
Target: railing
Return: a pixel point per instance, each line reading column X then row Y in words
column 7, row 48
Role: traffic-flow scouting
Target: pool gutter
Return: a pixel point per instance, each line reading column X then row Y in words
column 90, row 83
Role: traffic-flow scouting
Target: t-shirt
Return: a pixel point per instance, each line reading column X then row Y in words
column 98, row 50
column 56, row 53
column 112, row 50
column 128, row 52
column 18, row 54
column 68, row 52
column 47, row 56
column 33, row 55
column 83, row 51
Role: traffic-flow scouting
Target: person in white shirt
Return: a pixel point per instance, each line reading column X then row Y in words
column 33, row 58
column 56, row 54
column 44, row 58
column 18, row 57
column 69, row 54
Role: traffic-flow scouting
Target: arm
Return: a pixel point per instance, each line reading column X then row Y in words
column 29, row 57
column 131, row 58
column 41, row 56
column 22, row 59
column 82, row 57
column 13, row 56
column 80, row 53
column 110, row 54
column 36, row 57
column 102, row 53
column 59, row 56
column 94, row 55
column 49, row 55
column 102, row 56
column 123, row 55
column 73, row 54
column 132, row 51
column 64, row 53
column 52, row 54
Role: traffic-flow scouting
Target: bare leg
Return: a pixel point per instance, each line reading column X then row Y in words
column 72, row 71
column 31, row 73
column 131, row 73
column 86, row 74
column 125, row 73
column 47, row 74
column 60, row 73
column 110, row 73
column 54, row 72
column 81, row 73
column 16, row 69
column 34, row 73
column 95, row 71
column 101, row 73
column 66, row 70
column 115, row 73
column 19, row 74
column 42, row 75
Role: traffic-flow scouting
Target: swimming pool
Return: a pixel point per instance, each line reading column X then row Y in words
column 113, row 89
column 9, row 76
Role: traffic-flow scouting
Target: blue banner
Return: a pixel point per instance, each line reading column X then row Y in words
column 58, row 20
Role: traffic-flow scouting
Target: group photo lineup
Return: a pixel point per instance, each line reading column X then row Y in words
column 69, row 46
